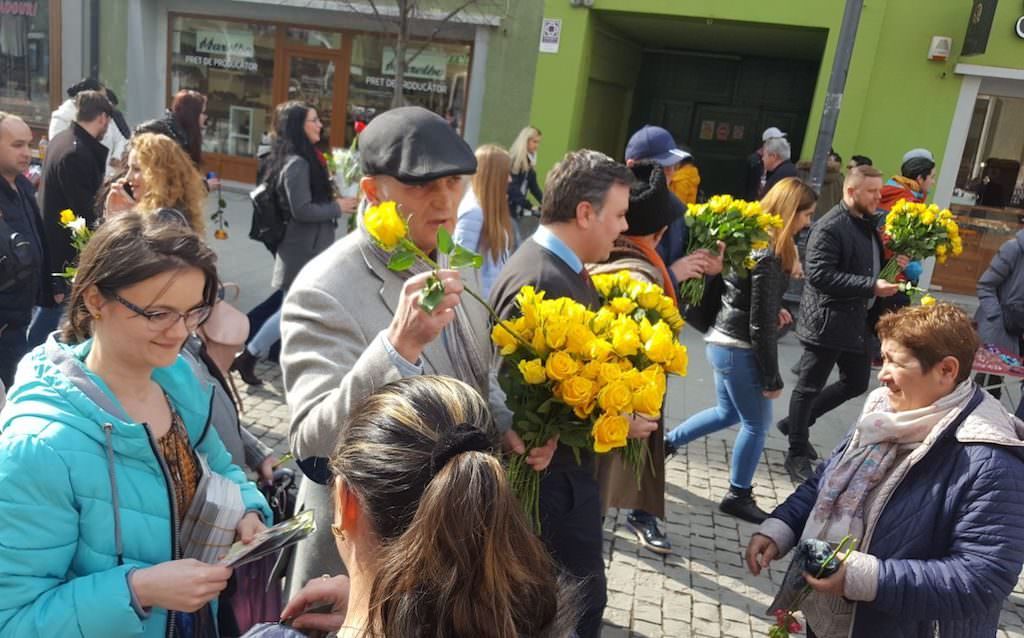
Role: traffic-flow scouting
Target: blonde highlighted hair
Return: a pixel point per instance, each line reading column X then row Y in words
column 171, row 179
column 490, row 185
column 520, row 151
column 786, row 199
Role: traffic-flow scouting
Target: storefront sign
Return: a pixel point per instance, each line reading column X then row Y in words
column 550, row 35
column 411, row 85
column 19, row 8
column 428, row 65
column 230, row 43
column 979, row 27
column 222, row 63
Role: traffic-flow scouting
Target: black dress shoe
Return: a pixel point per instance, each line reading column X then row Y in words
column 799, row 467
column 740, row 503
column 245, row 365
column 783, row 426
column 647, row 532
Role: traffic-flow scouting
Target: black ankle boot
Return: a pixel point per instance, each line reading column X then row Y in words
column 245, row 365
column 740, row 503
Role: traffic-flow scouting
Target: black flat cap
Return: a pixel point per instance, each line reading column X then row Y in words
column 413, row 145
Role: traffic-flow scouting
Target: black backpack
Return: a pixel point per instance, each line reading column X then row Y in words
column 15, row 257
column 270, row 216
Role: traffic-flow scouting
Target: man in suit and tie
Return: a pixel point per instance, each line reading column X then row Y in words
column 350, row 325
column 586, row 197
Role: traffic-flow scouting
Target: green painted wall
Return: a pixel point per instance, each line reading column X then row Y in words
column 511, row 65
column 113, row 54
column 895, row 98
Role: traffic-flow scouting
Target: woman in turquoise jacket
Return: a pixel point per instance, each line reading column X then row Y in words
column 99, row 450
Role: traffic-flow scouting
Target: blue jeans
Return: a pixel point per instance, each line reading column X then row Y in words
column 738, row 385
column 265, row 338
column 43, row 323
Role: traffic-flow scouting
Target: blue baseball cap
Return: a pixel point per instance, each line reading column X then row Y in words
column 655, row 143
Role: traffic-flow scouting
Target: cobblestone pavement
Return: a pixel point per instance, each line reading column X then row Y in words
column 702, row 589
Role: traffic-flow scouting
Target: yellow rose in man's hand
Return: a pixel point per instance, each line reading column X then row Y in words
column 561, row 366
column 385, row 225
column 533, row 371
column 610, row 432
column 649, row 399
column 660, row 347
column 503, row 338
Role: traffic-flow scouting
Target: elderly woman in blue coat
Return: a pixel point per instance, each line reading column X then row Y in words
column 931, row 482
column 100, row 446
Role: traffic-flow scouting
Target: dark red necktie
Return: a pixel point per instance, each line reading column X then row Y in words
column 587, row 281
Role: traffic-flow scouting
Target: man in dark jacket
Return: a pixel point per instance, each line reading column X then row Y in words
column 76, row 161
column 21, row 214
column 777, row 163
column 844, row 256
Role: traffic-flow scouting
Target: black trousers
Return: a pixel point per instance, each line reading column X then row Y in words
column 570, row 515
column 811, row 398
column 13, row 346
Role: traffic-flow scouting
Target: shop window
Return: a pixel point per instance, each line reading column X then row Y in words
column 990, row 172
column 232, row 63
column 313, row 38
column 25, row 59
column 435, row 79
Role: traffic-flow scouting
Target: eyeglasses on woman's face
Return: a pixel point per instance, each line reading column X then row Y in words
column 162, row 319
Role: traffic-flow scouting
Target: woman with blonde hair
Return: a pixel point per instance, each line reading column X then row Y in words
column 160, row 175
column 743, row 349
column 524, row 174
column 484, row 224
column 431, row 535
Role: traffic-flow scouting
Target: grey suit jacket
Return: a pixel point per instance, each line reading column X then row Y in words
column 332, row 358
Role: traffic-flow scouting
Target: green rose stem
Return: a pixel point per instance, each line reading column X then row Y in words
column 890, row 271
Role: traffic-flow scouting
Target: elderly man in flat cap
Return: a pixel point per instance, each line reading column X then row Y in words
column 349, row 325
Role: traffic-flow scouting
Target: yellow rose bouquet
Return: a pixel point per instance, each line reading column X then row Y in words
column 919, row 231
column 577, row 374
column 80, row 236
column 644, row 332
column 741, row 226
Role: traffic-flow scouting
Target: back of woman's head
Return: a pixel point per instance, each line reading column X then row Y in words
column 187, row 108
column 520, row 150
column 456, row 557
column 128, row 249
column 290, row 139
column 171, row 178
column 490, row 185
column 786, row 199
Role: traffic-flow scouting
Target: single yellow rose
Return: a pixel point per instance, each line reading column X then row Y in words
column 660, row 346
column 560, row 366
column 649, row 399
column 615, row 398
column 533, row 371
column 654, row 374
column 649, row 297
column 622, row 305
column 555, row 332
column 940, row 250
column 504, row 339
column 600, row 350
column 385, row 225
column 66, row 216
column 927, row 300
column 958, row 249
column 625, row 338
column 610, row 432
column 578, row 391
column 522, row 329
column 591, row 370
column 583, row 412
column 927, row 218
column 578, row 338
column 679, row 361
column 758, row 245
column 609, row 372
column 539, row 343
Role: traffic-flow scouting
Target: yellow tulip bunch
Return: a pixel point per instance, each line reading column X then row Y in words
column 920, row 231
column 741, row 226
column 578, row 374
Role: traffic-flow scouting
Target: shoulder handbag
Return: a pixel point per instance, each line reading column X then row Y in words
column 224, row 334
column 270, row 215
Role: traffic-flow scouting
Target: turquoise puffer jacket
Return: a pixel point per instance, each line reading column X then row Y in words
column 74, row 469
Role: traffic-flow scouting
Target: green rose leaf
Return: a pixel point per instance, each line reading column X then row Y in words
column 402, row 260
column 431, row 295
column 464, row 257
column 444, row 241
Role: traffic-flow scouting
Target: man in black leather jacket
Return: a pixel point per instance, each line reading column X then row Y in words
column 843, row 260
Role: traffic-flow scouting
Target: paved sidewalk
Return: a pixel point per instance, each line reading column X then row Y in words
column 702, row 589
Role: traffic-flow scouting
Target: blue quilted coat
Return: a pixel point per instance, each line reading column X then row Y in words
column 951, row 538
column 74, row 469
